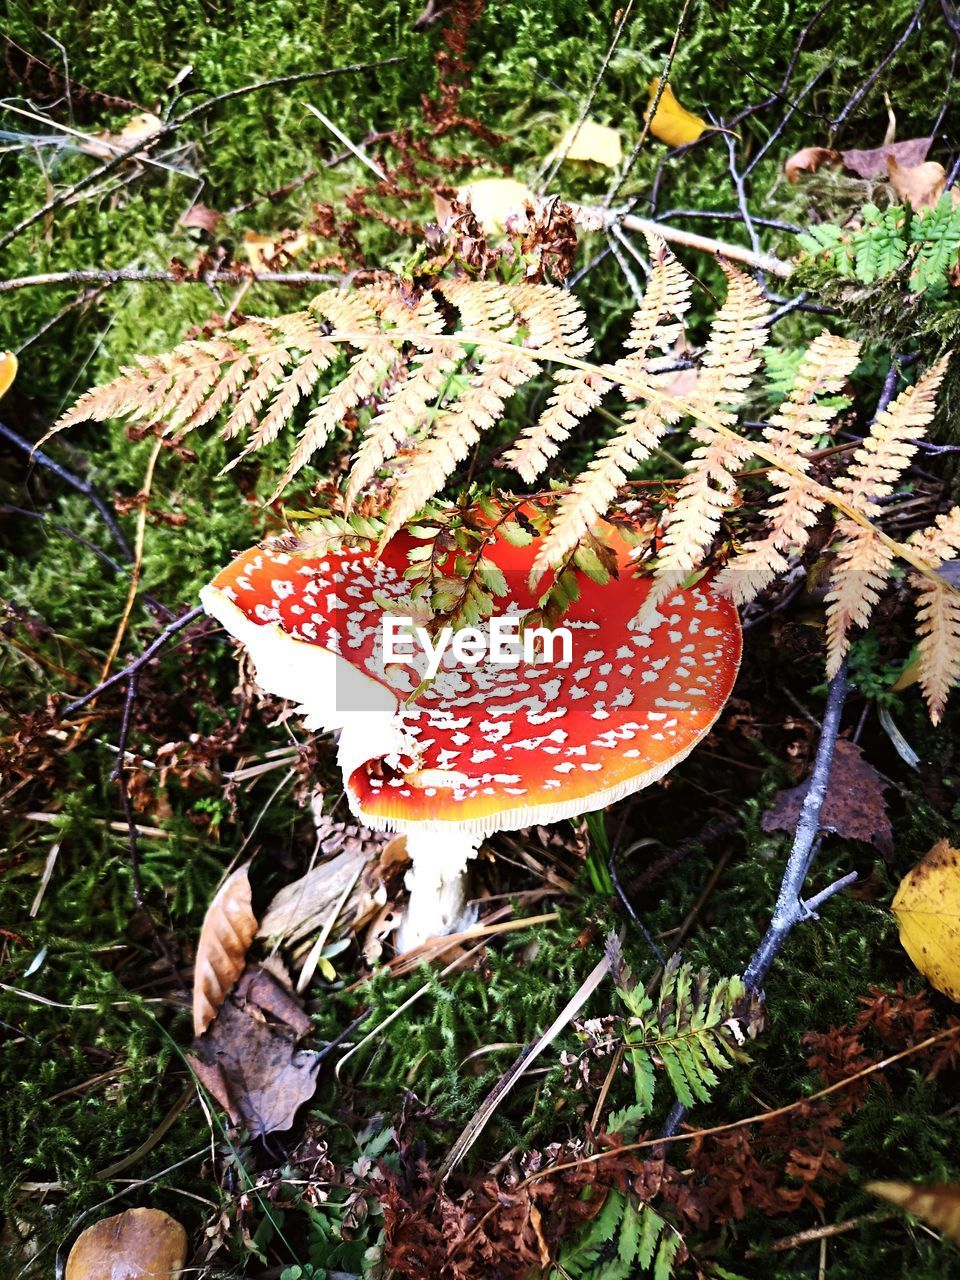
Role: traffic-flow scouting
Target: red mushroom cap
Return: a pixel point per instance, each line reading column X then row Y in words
column 493, row 747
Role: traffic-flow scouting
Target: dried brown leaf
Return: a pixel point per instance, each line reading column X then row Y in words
column 935, row 1202
column 301, row 908
column 873, row 163
column 854, row 806
column 869, row 164
column 809, row 160
column 921, row 185
column 202, row 216
column 228, row 929
column 249, row 1059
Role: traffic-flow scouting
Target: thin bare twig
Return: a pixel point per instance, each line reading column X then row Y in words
column 791, row 908
column 871, row 79
column 169, row 128
column 8, row 508
column 568, row 142
column 780, row 94
column 728, row 215
column 827, row 1231
column 740, row 188
column 135, row 276
column 81, row 486
column 631, row 912
column 621, row 177
column 154, row 647
column 753, row 257
column 80, row 300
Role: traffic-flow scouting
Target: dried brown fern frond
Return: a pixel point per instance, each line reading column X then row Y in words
column 938, row 613
column 653, row 330
column 863, row 560
column 797, row 502
column 370, row 328
column 516, row 320
column 731, row 357
column 268, row 366
column 155, row 385
column 308, row 353
column 427, row 383
column 435, row 370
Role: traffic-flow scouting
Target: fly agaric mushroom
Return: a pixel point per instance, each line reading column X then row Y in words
column 483, row 746
column 140, row 1244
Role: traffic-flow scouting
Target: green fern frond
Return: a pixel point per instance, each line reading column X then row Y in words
column 627, row 1238
column 690, row 1030
column 936, row 232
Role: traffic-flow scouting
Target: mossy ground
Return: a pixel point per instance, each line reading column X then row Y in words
column 88, row 1078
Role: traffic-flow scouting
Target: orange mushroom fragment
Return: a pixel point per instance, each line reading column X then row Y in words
column 140, row 1244
column 483, row 746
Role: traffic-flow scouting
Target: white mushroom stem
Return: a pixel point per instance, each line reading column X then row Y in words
column 437, row 881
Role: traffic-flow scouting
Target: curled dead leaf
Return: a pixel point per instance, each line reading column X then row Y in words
column 927, row 908
column 936, row 1203
column 903, row 159
column 809, row 160
column 202, row 216
column 920, row 186
column 130, row 1245
column 249, row 1059
column 228, row 929
column 300, row 908
column 873, row 163
column 371, row 875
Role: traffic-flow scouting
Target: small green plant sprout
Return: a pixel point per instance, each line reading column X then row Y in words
column 691, row 1031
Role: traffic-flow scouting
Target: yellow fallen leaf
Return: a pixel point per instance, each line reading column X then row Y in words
column 672, row 124
column 919, row 185
column 592, row 141
column 927, row 907
column 105, row 145
column 907, row 677
column 262, row 249
column 936, row 1203
column 138, row 128
column 494, row 199
column 8, row 371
